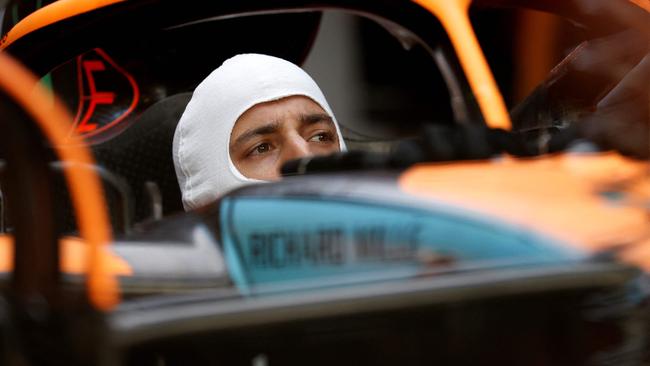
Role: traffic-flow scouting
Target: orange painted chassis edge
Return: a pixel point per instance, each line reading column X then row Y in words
column 85, row 189
column 453, row 14
column 74, row 257
column 50, row 14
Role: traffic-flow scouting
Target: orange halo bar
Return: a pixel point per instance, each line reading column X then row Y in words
column 645, row 4
column 453, row 14
column 85, row 188
column 50, row 14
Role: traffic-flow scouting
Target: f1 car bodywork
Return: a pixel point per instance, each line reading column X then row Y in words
column 435, row 262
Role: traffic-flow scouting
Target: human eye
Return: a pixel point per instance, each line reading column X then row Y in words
column 260, row 149
column 321, row 137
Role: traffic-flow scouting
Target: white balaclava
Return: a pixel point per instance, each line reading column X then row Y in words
column 201, row 145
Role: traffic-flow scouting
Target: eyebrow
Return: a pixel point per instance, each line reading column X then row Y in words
column 267, row 129
column 273, row 127
column 312, row 118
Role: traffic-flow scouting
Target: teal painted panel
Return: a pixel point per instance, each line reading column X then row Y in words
column 285, row 240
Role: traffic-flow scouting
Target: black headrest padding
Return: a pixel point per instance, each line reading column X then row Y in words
column 144, row 153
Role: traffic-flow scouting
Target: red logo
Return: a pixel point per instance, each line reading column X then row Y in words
column 108, row 94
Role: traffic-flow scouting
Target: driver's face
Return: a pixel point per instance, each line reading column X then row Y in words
column 269, row 134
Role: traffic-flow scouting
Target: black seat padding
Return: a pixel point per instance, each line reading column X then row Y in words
column 118, row 194
column 143, row 153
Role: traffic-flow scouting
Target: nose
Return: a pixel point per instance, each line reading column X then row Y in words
column 295, row 147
